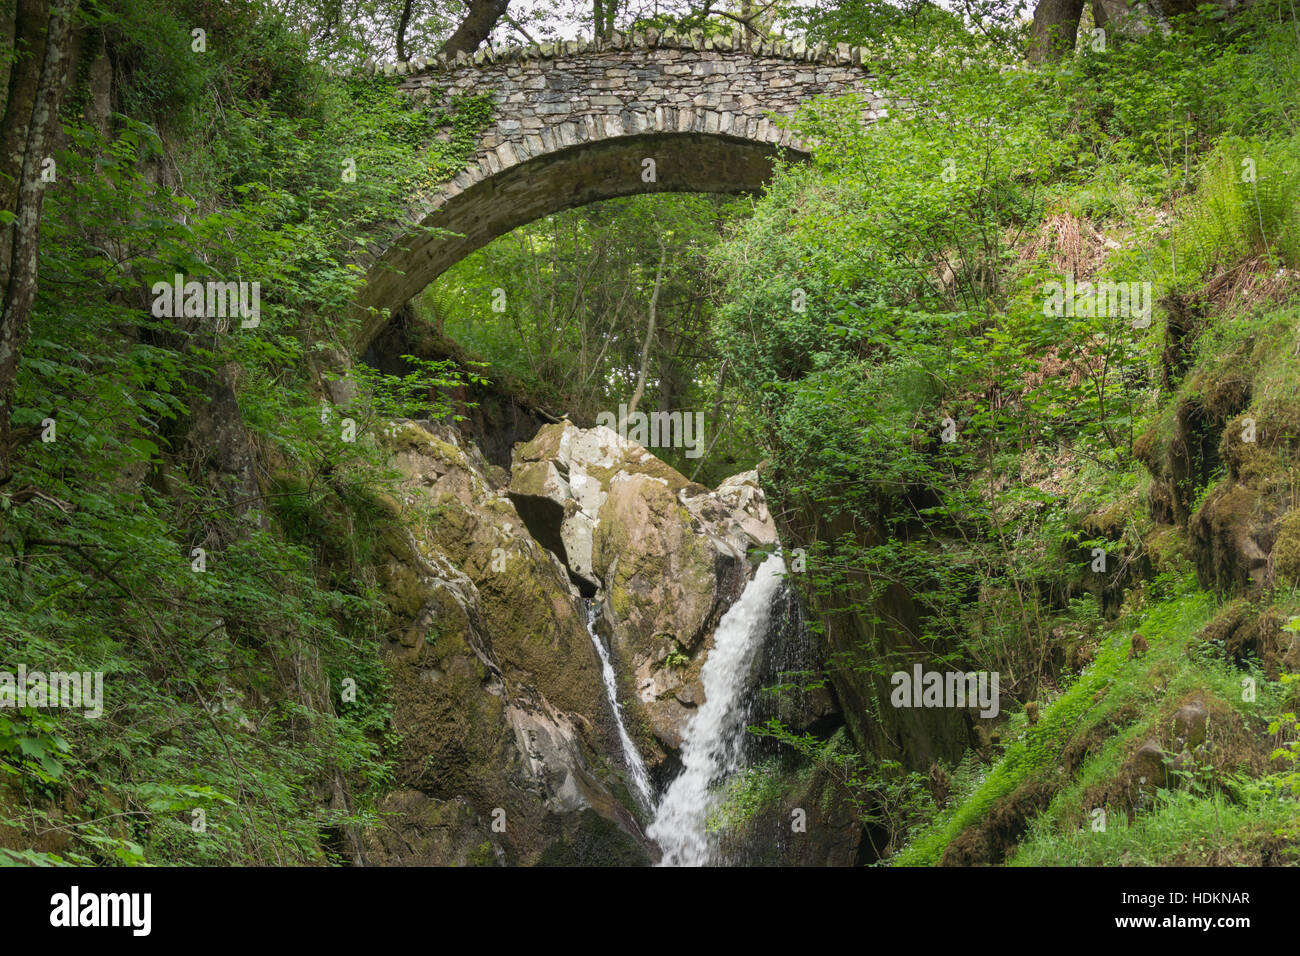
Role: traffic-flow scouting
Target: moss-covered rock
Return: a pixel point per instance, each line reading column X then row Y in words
column 1286, row 549
column 790, row 813
column 498, row 709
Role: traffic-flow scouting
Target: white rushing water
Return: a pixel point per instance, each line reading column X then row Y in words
column 632, row 757
column 712, row 741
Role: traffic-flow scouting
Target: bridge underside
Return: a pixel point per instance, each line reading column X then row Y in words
column 563, row 179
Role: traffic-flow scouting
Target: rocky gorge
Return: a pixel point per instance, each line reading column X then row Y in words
column 510, row 751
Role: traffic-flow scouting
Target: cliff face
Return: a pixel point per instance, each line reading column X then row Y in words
column 508, row 750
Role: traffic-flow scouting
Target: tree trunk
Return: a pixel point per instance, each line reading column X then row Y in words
column 403, row 22
column 7, row 34
column 1055, row 30
column 649, row 339
column 37, row 79
column 474, row 29
column 1123, row 18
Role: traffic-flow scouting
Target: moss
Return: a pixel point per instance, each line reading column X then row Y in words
column 1229, row 619
column 593, row 841
column 1219, row 529
column 453, row 733
column 997, row 833
column 544, row 446
column 684, row 558
column 406, row 436
column 1109, row 522
column 1152, row 445
column 530, row 479
column 1168, row 548
column 650, row 467
column 481, row 855
column 1286, row 549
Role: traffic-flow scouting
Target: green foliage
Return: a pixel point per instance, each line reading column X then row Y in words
column 676, row 659
column 30, row 744
column 1288, row 725
column 885, row 796
column 1247, row 204
column 885, row 310
column 910, row 23
column 161, row 76
column 417, row 394
column 752, row 790
column 1183, row 829
column 873, row 327
column 561, row 307
column 214, row 681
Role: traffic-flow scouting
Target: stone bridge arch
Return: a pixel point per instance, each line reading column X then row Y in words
column 575, row 121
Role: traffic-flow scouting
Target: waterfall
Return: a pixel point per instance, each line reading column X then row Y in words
column 631, row 756
column 713, row 739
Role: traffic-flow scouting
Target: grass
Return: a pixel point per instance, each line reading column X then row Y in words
column 1101, row 689
column 1182, row 829
column 1122, row 702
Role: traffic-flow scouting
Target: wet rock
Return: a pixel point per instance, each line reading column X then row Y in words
column 808, row 820
column 497, row 695
column 1190, row 722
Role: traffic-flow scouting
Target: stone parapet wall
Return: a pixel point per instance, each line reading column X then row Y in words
column 582, row 121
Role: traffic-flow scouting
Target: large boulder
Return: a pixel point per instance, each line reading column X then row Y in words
column 665, row 557
column 559, row 480
column 794, row 815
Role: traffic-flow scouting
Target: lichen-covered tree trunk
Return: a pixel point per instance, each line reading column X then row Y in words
column 1055, row 29
column 42, row 43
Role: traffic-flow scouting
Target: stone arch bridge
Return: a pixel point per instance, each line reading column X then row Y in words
column 575, row 123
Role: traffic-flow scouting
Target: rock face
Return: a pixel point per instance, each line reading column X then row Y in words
column 497, row 694
column 508, row 750
column 665, row 556
column 808, row 821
